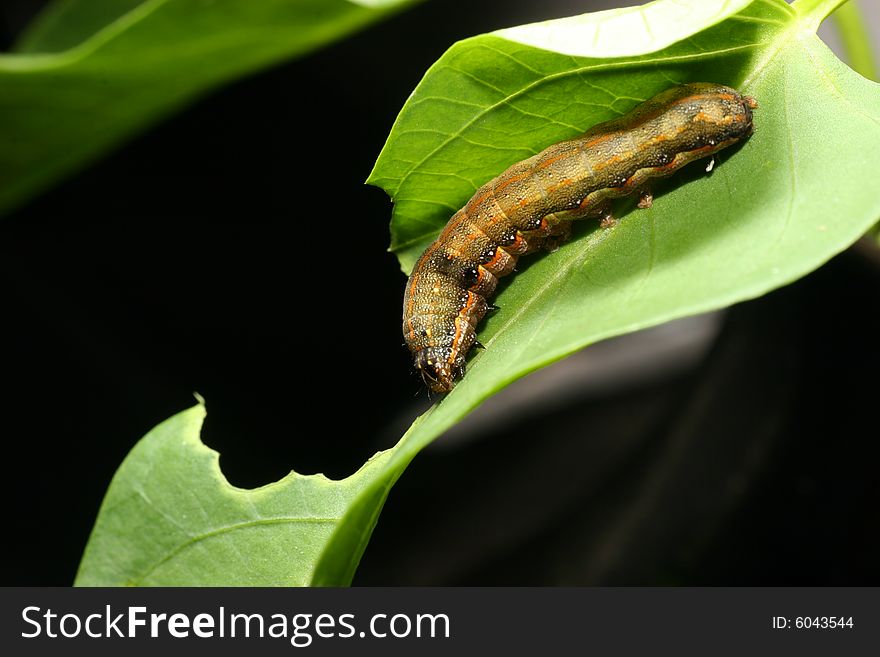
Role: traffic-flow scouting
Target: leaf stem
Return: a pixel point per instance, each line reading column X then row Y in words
column 856, row 44
column 813, row 12
column 855, row 40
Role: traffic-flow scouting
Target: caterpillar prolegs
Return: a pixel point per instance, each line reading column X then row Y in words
column 532, row 203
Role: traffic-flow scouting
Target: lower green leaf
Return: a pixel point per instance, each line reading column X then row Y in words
column 170, row 518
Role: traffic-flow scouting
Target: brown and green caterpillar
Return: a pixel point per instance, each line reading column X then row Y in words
column 532, row 203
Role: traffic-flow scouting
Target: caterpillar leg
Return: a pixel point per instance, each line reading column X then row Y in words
column 607, row 219
column 646, row 199
column 553, row 230
column 559, row 233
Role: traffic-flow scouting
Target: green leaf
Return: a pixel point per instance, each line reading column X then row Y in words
column 91, row 73
column 799, row 191
column 64, row 24
column 802, row 189
column 496, row 99
column 171, row 519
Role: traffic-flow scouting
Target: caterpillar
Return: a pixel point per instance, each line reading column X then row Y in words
column 531, row 205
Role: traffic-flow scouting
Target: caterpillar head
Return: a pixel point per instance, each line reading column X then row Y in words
column 436, row 370
column 722, row 114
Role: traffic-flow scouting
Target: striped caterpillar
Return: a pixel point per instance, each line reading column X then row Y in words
column 532, row 203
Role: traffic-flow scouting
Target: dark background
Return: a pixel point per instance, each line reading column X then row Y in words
column 210, row 255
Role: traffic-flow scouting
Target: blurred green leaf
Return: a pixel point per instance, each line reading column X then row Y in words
column 859, row 54
column 64, row 24
column 89, row 74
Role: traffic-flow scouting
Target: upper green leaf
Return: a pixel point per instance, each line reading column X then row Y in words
column 64, row 24
column 626, row 31
column 90, row 73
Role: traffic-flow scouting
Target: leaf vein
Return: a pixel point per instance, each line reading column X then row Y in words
column 225, row 530
column 555, row 76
